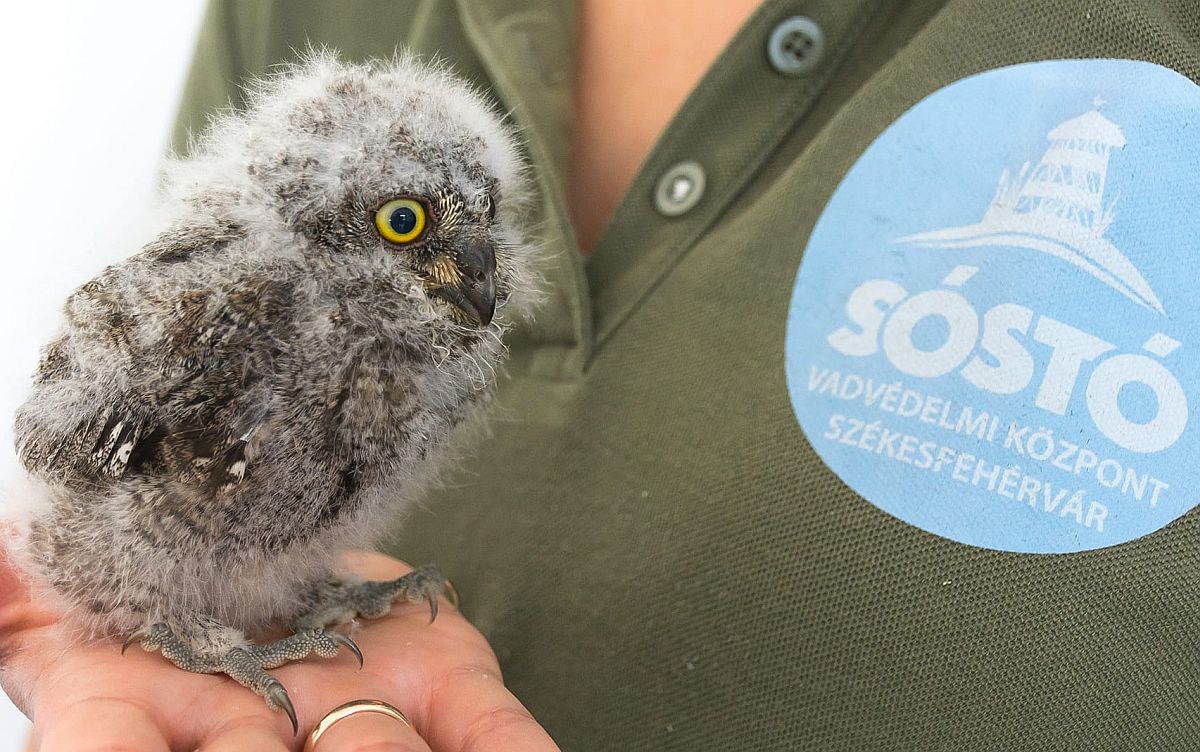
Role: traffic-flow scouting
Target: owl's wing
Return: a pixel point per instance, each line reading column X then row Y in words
column 183, row 407
column 127, row 438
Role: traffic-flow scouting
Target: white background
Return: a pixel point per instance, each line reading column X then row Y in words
column 89, row 92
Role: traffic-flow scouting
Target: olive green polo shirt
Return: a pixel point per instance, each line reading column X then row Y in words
column 650, row 541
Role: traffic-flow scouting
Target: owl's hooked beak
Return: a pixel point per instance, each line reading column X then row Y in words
column 474, row 290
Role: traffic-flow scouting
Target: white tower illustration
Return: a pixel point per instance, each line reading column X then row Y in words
column 1057, row 208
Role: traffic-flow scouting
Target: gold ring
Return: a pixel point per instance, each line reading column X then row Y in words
column 342, row 712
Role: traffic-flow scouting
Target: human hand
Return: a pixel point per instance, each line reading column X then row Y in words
column 442, row 676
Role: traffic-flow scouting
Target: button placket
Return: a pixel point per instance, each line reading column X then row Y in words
column 729, row 124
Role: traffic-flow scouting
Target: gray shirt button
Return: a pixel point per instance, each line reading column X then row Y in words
column 679, row 189
column 796, row 46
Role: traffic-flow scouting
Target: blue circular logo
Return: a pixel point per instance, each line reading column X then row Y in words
column 993, row 332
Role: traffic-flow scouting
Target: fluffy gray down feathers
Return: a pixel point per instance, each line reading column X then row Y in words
column 269, row 380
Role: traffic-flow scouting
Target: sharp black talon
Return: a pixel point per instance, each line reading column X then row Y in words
column 132, row 639
column 279, row 697
column 432, row 596
column 342, row 639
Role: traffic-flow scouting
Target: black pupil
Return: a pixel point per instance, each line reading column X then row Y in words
column 403, row 220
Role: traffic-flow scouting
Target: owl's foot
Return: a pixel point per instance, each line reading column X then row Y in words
column 208, row 648
column 247, row 665
column 335, row 602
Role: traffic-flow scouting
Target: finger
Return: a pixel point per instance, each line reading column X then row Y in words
column 100, row 723
column 370, row 731
column 470, row 711
column 248, row 733
column 375, row 566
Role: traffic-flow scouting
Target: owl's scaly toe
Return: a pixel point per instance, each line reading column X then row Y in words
column 243, row 667
column 334, row 602
column 247, row 665
column 324, row 642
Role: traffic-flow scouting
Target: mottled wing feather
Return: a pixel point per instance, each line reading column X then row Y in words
column 114, row 447
column 196, row 425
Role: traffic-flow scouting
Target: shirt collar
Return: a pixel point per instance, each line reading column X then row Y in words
column 528, row 48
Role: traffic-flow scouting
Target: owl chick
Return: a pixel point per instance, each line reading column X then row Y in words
column 272, row 375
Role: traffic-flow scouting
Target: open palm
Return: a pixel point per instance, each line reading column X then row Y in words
column 87, row 696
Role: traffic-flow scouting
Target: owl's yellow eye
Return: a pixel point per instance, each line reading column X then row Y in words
column 401, row 220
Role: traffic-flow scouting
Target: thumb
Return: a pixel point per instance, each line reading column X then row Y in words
column 18, row 617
